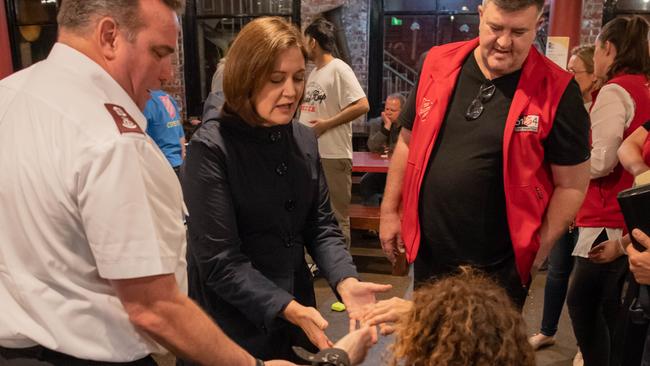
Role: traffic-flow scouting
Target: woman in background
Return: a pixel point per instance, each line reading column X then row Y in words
column 581, row 65
column 621, row 60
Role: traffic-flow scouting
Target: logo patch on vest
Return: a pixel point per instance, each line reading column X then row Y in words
column 123, row 120
column 425, row 108
column 527, row 123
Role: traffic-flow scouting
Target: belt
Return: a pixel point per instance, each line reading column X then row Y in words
column 42, row 354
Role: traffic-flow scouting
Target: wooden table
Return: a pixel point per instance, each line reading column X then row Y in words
column 369, row 162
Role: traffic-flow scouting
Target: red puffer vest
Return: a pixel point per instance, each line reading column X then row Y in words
column 527, row 178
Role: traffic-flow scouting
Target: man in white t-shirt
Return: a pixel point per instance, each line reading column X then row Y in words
column 333, row 99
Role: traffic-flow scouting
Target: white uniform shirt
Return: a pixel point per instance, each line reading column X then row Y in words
column 610, row 116
column 329, row 90
column 80, row 203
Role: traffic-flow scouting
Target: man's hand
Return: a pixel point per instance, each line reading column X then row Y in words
column 387, row 122
column 386, row 313
column 356, row 344
column 390, row 228
column 605, row 252
column 320, row 126
column 279, row 363
column 640, row 261
column 358, row 297
column 310, row 321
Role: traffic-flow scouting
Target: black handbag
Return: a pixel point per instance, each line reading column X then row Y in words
column 635, row 205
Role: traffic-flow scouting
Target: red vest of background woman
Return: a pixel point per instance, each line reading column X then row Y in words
column 600, row 208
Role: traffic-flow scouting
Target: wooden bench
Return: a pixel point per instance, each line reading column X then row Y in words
column 364, row 217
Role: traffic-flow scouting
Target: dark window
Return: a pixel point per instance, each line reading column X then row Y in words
column 208, row 34
column 409, row 5
column 408, row 28
column 412, row 27
column 470, row 6
column 632, row 5
column 454, row 28
column 33, row 30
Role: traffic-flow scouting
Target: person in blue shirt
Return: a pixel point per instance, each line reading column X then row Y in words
column 165, row 127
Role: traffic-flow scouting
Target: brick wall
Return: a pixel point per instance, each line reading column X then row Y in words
column 592, row 19
column 355, row 20
column 176, row 87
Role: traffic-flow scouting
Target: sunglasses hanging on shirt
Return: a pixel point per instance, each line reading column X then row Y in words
column 475, row 109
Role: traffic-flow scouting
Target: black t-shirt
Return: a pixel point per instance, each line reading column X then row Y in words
column 462, row 200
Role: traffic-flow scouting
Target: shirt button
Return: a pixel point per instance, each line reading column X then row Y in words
column 290, row 205
column 275, row 136
column 281, row 169
column 288, row 243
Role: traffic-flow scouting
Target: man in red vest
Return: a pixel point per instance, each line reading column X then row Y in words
column 492, row 163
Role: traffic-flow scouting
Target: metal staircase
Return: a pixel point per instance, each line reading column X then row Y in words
column 397, row 76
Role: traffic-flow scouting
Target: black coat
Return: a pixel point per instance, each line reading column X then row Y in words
column 257, row 198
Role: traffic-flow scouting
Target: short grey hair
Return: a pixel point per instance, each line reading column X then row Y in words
column 399, row 97
column 515, row 5
column 77, row 15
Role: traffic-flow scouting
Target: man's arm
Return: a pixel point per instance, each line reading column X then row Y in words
column 351, row 112
column 390, row 224
column 183, row 148
column 377, row 135
column 571, row 184
column 156, row 306
column 630, row 153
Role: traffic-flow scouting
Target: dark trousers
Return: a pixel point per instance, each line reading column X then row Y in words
column 646, row 350
column 504, row 273
column 41, row 356
column 560, row 265
column 595, row 307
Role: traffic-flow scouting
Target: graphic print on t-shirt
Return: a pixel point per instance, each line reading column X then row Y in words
column 313, row 96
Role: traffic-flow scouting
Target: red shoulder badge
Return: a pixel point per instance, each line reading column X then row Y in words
column 125, row 123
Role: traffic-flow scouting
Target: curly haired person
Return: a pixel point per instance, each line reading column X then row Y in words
column 464, row 319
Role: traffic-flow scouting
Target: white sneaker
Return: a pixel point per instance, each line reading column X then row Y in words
column 577, row 360
column 539, row 340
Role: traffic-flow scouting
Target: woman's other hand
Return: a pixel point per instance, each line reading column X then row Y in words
column 310, row 321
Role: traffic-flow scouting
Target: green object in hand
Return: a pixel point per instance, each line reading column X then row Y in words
column 338, row 306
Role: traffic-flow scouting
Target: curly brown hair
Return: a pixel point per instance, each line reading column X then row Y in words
column 465, row 320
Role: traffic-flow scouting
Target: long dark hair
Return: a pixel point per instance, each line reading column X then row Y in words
column 323, row 32
column 630, row 37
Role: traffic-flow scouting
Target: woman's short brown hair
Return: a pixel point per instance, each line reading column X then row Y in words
column 251, row 59
column 465, row 319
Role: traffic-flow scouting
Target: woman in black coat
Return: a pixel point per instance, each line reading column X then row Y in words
column 257, row 199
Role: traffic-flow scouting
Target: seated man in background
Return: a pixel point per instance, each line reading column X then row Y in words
column 165, row 127
column 384, row 129
column 383, row 134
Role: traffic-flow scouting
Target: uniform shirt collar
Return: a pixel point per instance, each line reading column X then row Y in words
column 90, row 73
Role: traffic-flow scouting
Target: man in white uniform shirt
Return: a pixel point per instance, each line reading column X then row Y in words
column 92, row 241
column 333, row 98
